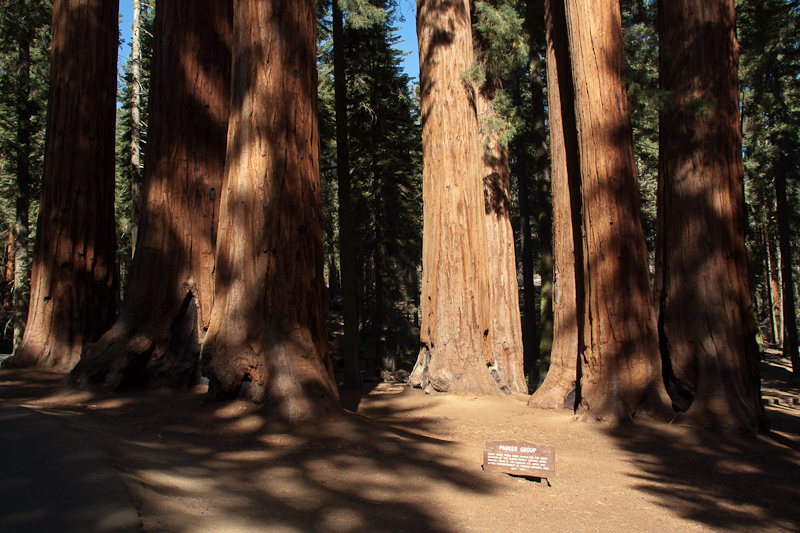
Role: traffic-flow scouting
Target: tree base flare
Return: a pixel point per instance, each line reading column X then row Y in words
column 165, row 354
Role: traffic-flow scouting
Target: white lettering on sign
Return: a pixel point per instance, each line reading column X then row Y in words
column 519, row 457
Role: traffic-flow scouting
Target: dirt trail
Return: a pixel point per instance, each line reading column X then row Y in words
column 405, row 461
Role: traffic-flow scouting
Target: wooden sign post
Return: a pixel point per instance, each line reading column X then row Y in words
column 519, row 458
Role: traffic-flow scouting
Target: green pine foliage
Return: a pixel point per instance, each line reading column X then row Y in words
column 21, row 21
column 645, row 101
column 502, row 48
column 386, row 175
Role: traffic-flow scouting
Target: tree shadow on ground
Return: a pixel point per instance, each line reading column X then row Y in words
column 725, row 481
column 177, row 451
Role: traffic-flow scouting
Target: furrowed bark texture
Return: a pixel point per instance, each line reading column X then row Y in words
column 705, row 313
column 505, row 324
column 74, row 280
column 267, row 341
column 558, row 388
column 455, row 332
column 167, row 307
column 620, row 367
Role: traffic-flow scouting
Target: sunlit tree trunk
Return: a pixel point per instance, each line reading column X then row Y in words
column 558, row 388
column 136, row 120
column 706, row 324
column 268, row 339
column 455, row 355
column 168, row 301
column 619, row 373
column 506, row 328
column 74, row 275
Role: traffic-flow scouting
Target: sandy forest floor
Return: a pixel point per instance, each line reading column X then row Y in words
column 405, row 461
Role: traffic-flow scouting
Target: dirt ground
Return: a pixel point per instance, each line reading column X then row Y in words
column 406, row 461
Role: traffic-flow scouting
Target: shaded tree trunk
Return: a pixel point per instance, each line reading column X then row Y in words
column 619, row 372
column 544, row 220
column 707, row 330
column 558, row 388
column 267, row 341
column 541, row 194
column 168, row 301
column 347, row 250
column 455, row 335
column 790, row 349
column 74, row 275
column 775, row 299
column 530, row 354
column 506, row 328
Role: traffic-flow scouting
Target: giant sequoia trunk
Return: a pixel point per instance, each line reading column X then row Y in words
column 506, row 327
column 74, row 281
column 619, row 374
column 455, row 355
column 171, row 289
column 267, row 341
column 557, row 389
column 707, row 330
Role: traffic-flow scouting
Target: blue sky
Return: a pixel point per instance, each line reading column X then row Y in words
column 407, row 33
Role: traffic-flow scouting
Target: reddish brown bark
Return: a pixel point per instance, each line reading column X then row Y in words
column 706, row 324
column 619, row 374
column 74, row 281
column 267, row 341
column 774, row 290
column 455, row 355
column 171, row 290
column 557, row 389
column 505, row 324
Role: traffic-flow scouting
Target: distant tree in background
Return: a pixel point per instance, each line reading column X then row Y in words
column 385, row 159
column 384, row 162
column 769, row 32
column 132, row 123
column 24, row 74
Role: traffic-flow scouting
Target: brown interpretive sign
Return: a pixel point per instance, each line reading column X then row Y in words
column 520, row 458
